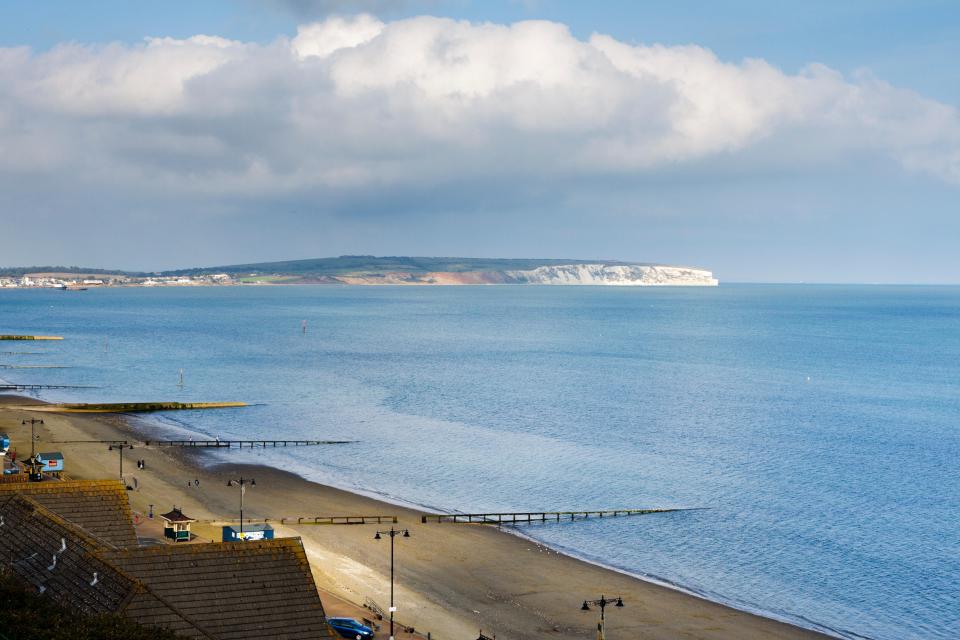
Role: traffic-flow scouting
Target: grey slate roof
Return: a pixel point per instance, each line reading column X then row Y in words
column 233, row 590
column 31, row 536
column 100, row 507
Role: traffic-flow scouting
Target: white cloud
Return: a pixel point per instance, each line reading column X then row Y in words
column 320, row 39
column 355, row 103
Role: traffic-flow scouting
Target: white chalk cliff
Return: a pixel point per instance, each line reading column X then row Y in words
column 616, row 275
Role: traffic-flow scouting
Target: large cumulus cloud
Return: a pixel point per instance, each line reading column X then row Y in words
column 353, row 102
column 354, row 115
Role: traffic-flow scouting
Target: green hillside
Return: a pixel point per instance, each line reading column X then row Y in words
column 344, row 265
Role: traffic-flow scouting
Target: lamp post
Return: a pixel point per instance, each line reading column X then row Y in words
column 602, row 603
column 393, row 533
column 33, row 438
column 242, row 483
column 121, row 447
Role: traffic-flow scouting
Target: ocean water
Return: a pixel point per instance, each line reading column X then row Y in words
column 818, row 424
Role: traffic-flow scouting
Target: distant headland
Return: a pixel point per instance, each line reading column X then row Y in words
column 373, row 270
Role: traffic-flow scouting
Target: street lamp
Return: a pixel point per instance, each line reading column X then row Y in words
column 242, row 483
column 121, row 447
column 602, row 603
column 393, row 533
column 33, row 438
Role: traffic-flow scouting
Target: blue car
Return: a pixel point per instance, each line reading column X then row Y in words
column 350, row 628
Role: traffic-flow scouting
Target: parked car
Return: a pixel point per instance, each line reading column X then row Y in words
column 350, row 628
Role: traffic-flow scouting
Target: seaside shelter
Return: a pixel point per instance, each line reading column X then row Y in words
column 52, row 462
column 176, row 526
column 231, row 533
column 34, row 469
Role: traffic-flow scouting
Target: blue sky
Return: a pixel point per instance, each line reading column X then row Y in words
column 848, row 170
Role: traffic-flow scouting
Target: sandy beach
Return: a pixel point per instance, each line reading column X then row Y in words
column 452, row 580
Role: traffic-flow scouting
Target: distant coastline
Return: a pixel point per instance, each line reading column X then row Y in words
column 371, row 270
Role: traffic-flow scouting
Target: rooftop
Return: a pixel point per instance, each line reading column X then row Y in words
column 250, row 527
column 100, row 507
column 230, row 591
column 176, row 515
column 235, row 590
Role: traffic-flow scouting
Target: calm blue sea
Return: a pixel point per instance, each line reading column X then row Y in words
column 819, row 424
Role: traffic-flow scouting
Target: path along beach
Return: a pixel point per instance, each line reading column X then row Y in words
column 451, row 580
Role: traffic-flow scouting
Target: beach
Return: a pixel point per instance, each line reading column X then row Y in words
column 451, row 580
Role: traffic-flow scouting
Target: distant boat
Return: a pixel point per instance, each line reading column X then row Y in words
column 74, row 288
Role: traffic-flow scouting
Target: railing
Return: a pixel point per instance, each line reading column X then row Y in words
column 376, row 609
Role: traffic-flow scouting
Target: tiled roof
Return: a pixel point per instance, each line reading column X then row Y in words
column 229, row 591
column 176, row 516
column 251, row 527
column 31, row 535
column 233, row 590
column 100, row 507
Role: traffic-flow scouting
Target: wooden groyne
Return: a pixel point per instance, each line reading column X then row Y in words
column 89, row 442
column 535, row 516
column 348, row 520
column 11, row 337
column 240, row 444
column 214, row 444
column 37, row 387
column 35, row 366
column 130, row 407
column 318, row 520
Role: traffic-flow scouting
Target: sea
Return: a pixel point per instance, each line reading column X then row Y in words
column 813, row 429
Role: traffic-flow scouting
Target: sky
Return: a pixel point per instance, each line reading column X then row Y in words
column 769, row 142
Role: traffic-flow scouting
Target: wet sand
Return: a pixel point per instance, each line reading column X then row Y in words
column 451, row 580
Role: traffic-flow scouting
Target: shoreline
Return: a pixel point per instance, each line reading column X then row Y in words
column 459, row 579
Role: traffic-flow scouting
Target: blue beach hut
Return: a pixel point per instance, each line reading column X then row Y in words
column 231, row 533
column 52, row 461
